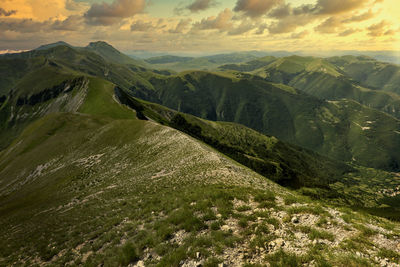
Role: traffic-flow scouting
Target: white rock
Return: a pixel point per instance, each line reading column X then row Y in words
column 225, row 228
column 295, row 219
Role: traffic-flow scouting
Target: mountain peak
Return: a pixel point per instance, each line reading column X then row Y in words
column 47, row 46
column 100, row 44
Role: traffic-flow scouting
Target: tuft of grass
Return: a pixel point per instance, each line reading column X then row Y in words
column 243, row 222
column 365, row 231
column 316, row 210
column 264, row 196
column 290, row 199
column 318, row 234
column 212, row 262
column 129, row 254
column 282, row 258
column 389, row 254
column 243, row 208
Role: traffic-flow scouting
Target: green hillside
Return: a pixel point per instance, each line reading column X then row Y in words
column 344, row 130
column 113, row 55
column 96, row 186
column 370, row 72
column 294, row 167
column 323, row 78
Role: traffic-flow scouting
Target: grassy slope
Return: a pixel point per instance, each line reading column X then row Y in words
column 288, row 165
column 343, row 130
column 100, row 187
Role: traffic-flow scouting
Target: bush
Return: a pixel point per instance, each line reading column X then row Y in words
column 129, row 254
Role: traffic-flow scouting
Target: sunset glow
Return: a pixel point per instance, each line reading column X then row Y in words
column 203, row 25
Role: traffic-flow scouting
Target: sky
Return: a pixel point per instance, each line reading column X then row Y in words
column 203, row 25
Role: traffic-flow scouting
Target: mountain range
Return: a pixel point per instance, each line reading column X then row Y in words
column 109, row 160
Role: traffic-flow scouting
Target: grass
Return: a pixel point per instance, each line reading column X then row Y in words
column 282, row 258
column 315, row 209
column 389, row 254
column 314, row 233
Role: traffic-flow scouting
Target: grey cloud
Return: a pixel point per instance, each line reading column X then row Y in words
column 141, row 26
column 331, row 7
column 299, row 35
column 200, row 5
column 289, row 18
column 329, row 26
column 281, row 11
column 107, row 14
column 290, row 23
column 6, row 13
column 348, row 32
column 244, row 27
column 72, row 23
column 22, row 25
column 380, row 29
column 222, row 22
column 182, row 26
column 256, row 8
column 365, row 16
column 261, row 29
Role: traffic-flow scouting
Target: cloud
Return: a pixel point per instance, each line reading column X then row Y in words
column 200, row 5
column 348, row 32
column 335, row 12
column 362, row 17
column 71, row 5
column 256, row 8
column 181, row 26
column 5, row 13
column 261, row 29
column 222, row 22
column 331, row 7
column 299, row 35
column 290, row 23
column 242, row 28
column 281, row 11
column 329, row 26
column 22, row 25
column 72, row 23
column 107, row 14
column 380, row 29
column 141, row 26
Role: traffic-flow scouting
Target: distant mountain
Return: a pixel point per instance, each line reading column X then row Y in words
column 167, row 59
column 204, row 63
column 323, row 78
column 370, row 72
column 344, row 130
column 250, row 65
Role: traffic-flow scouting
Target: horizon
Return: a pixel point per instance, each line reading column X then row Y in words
column 204, row 26
column 145, row 54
